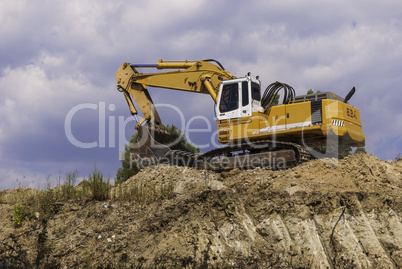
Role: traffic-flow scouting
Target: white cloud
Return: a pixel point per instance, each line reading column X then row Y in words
column 21, row 177
column 30, row 96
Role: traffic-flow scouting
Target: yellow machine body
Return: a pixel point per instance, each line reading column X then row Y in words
column 242, row 114
column 293, row 123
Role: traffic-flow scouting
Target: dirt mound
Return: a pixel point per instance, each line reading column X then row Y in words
column 321, row 214
column 362, row 172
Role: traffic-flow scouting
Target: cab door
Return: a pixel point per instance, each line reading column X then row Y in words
column 245, row 99
column 229, row 101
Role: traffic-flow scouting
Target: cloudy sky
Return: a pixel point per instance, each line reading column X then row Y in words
column 58, row 60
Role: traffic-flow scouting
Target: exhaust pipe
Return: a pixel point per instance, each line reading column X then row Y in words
column 350, row 94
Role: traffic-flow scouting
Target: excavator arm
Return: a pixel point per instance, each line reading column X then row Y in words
column 191, row 76
column 154, row 141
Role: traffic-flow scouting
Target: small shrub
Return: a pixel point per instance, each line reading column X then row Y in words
column 166, row 190
column 18, row 214
column 44, row 247
column 83, row 190
column 47, row 200
column 262, row 186
column 129, row 167
column 67, row 188
column 360, row 150
column 135, row 192
column 99, row 187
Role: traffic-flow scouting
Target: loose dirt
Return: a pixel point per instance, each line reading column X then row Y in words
column 321, row 214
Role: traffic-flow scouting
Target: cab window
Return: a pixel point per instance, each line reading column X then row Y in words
column 244, row 95
column 230, row 98
column 255, row 91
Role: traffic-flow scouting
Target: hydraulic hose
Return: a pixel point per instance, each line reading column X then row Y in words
column 272, row 90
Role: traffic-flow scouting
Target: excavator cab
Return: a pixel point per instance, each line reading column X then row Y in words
column 238, row 98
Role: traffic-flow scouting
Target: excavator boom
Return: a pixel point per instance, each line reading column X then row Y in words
column 192, row 76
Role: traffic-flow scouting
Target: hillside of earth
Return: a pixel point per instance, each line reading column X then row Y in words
column 321, row 214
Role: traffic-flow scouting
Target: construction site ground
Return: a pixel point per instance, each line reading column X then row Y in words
column 321, row 214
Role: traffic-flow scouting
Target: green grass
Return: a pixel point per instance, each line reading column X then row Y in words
column 166, row 190
column 18, row 214
column 67, row 189
column 99, row 186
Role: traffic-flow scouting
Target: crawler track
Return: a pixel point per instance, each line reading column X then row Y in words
column 263, row 153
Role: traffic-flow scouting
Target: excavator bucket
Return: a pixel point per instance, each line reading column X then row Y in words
column 153, row 144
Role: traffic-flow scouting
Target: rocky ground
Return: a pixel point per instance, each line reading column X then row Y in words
column 320, row 214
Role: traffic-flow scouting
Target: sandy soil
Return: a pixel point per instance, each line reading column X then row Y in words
column 321, row 214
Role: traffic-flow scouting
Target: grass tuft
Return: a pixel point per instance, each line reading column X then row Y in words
column 18, row 214
column 99, row 187
column 67, row 189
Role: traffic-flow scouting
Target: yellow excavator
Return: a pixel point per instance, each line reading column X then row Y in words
column 257, row 131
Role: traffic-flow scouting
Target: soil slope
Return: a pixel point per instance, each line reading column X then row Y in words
column 320, row 214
